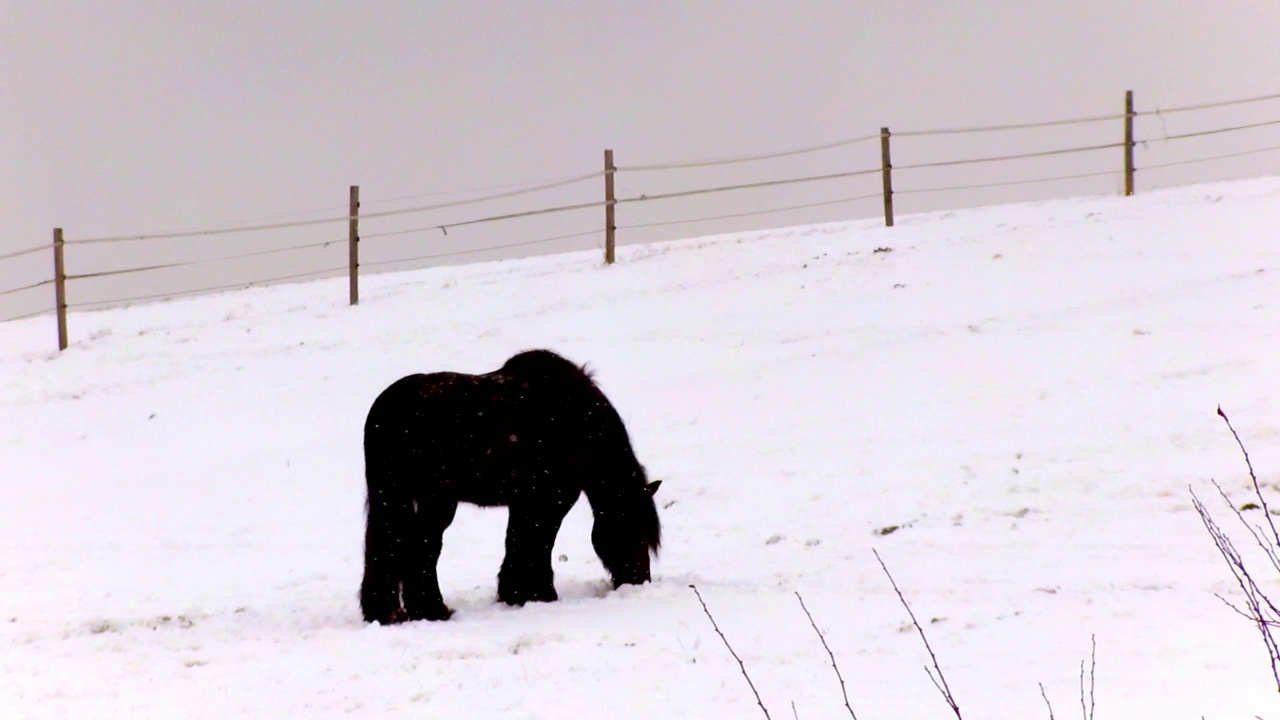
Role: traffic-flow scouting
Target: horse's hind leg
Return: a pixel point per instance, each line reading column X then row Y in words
column 389, row 521
column 422, row 598
column 526, row 574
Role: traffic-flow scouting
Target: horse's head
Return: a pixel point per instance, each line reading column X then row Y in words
column 626, row 531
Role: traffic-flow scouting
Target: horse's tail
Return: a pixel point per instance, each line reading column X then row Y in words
column 389, row 518
column 389, row 521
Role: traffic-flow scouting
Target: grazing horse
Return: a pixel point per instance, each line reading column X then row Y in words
column 530, row 436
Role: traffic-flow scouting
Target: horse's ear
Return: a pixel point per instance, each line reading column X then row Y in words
column 652, row 487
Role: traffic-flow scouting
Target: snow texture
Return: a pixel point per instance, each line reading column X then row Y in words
column 1010, row 404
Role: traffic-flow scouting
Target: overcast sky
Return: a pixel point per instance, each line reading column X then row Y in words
column 128, row 116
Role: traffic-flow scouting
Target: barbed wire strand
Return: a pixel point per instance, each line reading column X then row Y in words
column 747, row 158
column 188, row 263
column 749, row 214
column 493, row 218
column 746, row 186
column 1006, row 183
column 490, row 188
column 1206, row 106
column 1273, row 148
column 472, row 251
column 28, row 251
column 27, row 316
column 393, row 233
column 1022, row 156
column 448, row 226
column 32, row 286
column 1016, row 126
column 363, row 203
column 230, row 286
column 331, row 220
column 1218, row 131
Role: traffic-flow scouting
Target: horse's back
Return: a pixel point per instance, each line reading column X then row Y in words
column 488, row 435
column 431, row 402
column 543, row 366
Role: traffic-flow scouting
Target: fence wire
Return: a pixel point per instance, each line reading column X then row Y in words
column 1006, row 183
column 1218, row 131
column 215, row 288
column 527, row 213
column 188, row 263
column 32, row 286
column 472, row 251
column 746, row 158
column 746, row 186
column 28, row 251
column 1207, row 106
column 1017, row 126
column 393, row 233
column 477, row 221
column 1157, row 166
column 332, row 220
column 1022, row 156
column 543, row 184
column 840, row 201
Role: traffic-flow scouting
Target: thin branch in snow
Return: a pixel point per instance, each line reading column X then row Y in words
column 1257, row 489
column 1255, row 531
column 940, row 681
column 1255, row 598
column 1047, row 703
column 831, row 655
column 731, row 651
column 1086, row 712
column 1258, row 606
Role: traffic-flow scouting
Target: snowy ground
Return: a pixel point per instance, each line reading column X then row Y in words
column 1027, row 392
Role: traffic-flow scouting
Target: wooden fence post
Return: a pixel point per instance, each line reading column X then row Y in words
column 886, row 171
column 610, row 228
column 1128, row 142
column 353, row 245
column 60, row 288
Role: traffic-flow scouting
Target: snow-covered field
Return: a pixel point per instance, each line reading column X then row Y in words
column 1027, row 392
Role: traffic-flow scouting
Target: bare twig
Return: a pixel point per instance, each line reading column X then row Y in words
column 1086, row 712
column 1257, row 489
column 1254, row 597
column 1258, row 606
column 1241, row 613
column 831, row 655
column 940, row 681
column 1256, row 533
column 1045, row 695
column 731, row 652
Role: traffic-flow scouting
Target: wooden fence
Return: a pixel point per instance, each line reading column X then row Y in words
column 609, row 201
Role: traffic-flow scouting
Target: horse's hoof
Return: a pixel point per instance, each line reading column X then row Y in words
column 518, row 599
column 395, row 617
column 440, row 612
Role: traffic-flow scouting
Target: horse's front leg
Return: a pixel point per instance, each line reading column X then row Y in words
column 422, row 598
column 526, row 574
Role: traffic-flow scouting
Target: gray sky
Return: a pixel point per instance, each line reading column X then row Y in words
column 130, row 116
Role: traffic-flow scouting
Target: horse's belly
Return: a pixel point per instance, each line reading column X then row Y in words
column 495, row 464
column 488, row 475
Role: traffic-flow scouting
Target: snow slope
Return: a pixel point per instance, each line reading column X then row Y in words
column 1027, row 392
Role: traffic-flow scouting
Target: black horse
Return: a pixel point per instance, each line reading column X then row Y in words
column 532, row 436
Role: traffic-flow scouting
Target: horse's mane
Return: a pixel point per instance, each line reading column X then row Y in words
column 545, row 365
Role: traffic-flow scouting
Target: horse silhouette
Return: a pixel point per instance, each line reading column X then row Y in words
column 531, row 436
